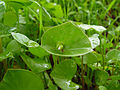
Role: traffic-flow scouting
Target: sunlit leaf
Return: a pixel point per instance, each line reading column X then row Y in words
column 24, row 40
column 94, row 40
column 99, row 29
column 102, row 88
column 66, row 40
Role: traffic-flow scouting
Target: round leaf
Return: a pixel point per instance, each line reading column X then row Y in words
column 21, row 80
column 10, row 18
column 101, row 77
column 63, row 73
column 113, row 55
column 14, row 47
column 89, row 58
column 66, row 40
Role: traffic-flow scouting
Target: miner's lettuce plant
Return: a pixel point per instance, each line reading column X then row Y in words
column 59, row 45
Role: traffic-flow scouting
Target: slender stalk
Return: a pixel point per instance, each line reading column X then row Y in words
column 82, row 74
column 4, row 61
column 27, row 16
column 65, row 11
column 0, row 62
column 113, row 69
column 0, row 45
column 101, row 50
column 18, row 24
column 41, row 24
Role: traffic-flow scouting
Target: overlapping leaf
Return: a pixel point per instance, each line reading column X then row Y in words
column 63, row 73
column 21, row 80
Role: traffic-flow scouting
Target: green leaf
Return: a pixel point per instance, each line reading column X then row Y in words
column 38, row 51
column 99, row 29
column 24, row 40
column 2, row 9
column 63, row 73
column 5, row 55
column 113, row 55
column 49, row 83
column 101, row 77
column 94, row 40
column 24, row 2
column 66, row 40
column 15, row 5
column 4, row 30
column 10, row 18
column 115, row 77
column 102, row 88
column 89, row 58
column 113, row 85
column 35, row 65
column 46, row 17
column 14, row 47
column 21, row 80
column 54, row 9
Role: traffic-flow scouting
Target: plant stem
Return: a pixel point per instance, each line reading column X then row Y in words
column 4, row 61
column 18, row 24
column 113, row 69
column 41, row 24
column 0, row 45
column 101, row 50
column 82, row 74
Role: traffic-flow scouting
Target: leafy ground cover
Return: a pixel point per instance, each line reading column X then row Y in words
column 59, row 45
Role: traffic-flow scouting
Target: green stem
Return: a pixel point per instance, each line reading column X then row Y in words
column 41, row 24
column 0, row 45
column 82, row 74
column 113, row 69
column 101, row 50
column 18, row 24
column 4, row 61
column 27, row 16
column 65, row 11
